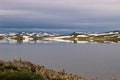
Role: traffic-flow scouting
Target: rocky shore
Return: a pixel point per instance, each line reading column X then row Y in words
column 48, row 74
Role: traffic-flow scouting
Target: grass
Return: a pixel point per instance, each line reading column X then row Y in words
column 11, row 73
column 20, row 76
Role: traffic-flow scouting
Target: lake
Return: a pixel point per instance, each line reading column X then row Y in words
column 88, row 60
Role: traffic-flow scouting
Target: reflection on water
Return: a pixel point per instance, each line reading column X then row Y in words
column 89, row 60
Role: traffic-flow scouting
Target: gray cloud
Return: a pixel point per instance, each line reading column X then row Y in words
column 69, row 13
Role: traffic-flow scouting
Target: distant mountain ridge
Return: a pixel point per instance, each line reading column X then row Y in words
column 76, row 37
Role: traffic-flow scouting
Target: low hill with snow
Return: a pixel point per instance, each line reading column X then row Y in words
column 76, row 37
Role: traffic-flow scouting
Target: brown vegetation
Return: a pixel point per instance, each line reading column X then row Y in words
column 1, row 37
column 48, row 74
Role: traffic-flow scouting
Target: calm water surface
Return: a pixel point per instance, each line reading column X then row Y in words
column 89, row 60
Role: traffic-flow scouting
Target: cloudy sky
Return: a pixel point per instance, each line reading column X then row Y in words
column 62, row 14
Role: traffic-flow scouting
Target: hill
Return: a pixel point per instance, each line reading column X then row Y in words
column 23, row 69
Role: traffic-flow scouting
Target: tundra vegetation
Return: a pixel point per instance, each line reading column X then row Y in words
column 25, row 70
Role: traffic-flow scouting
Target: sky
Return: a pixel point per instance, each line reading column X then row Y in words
column 86, row 15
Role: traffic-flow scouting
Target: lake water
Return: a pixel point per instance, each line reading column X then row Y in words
column 88, row 60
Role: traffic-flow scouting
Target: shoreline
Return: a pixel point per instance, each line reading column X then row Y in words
column 48, row 74
column 18, row 65
column 76, row 37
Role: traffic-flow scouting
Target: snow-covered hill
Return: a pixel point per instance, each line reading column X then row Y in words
column 44, row 37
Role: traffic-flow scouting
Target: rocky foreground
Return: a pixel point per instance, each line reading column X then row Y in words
column 48, row 74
